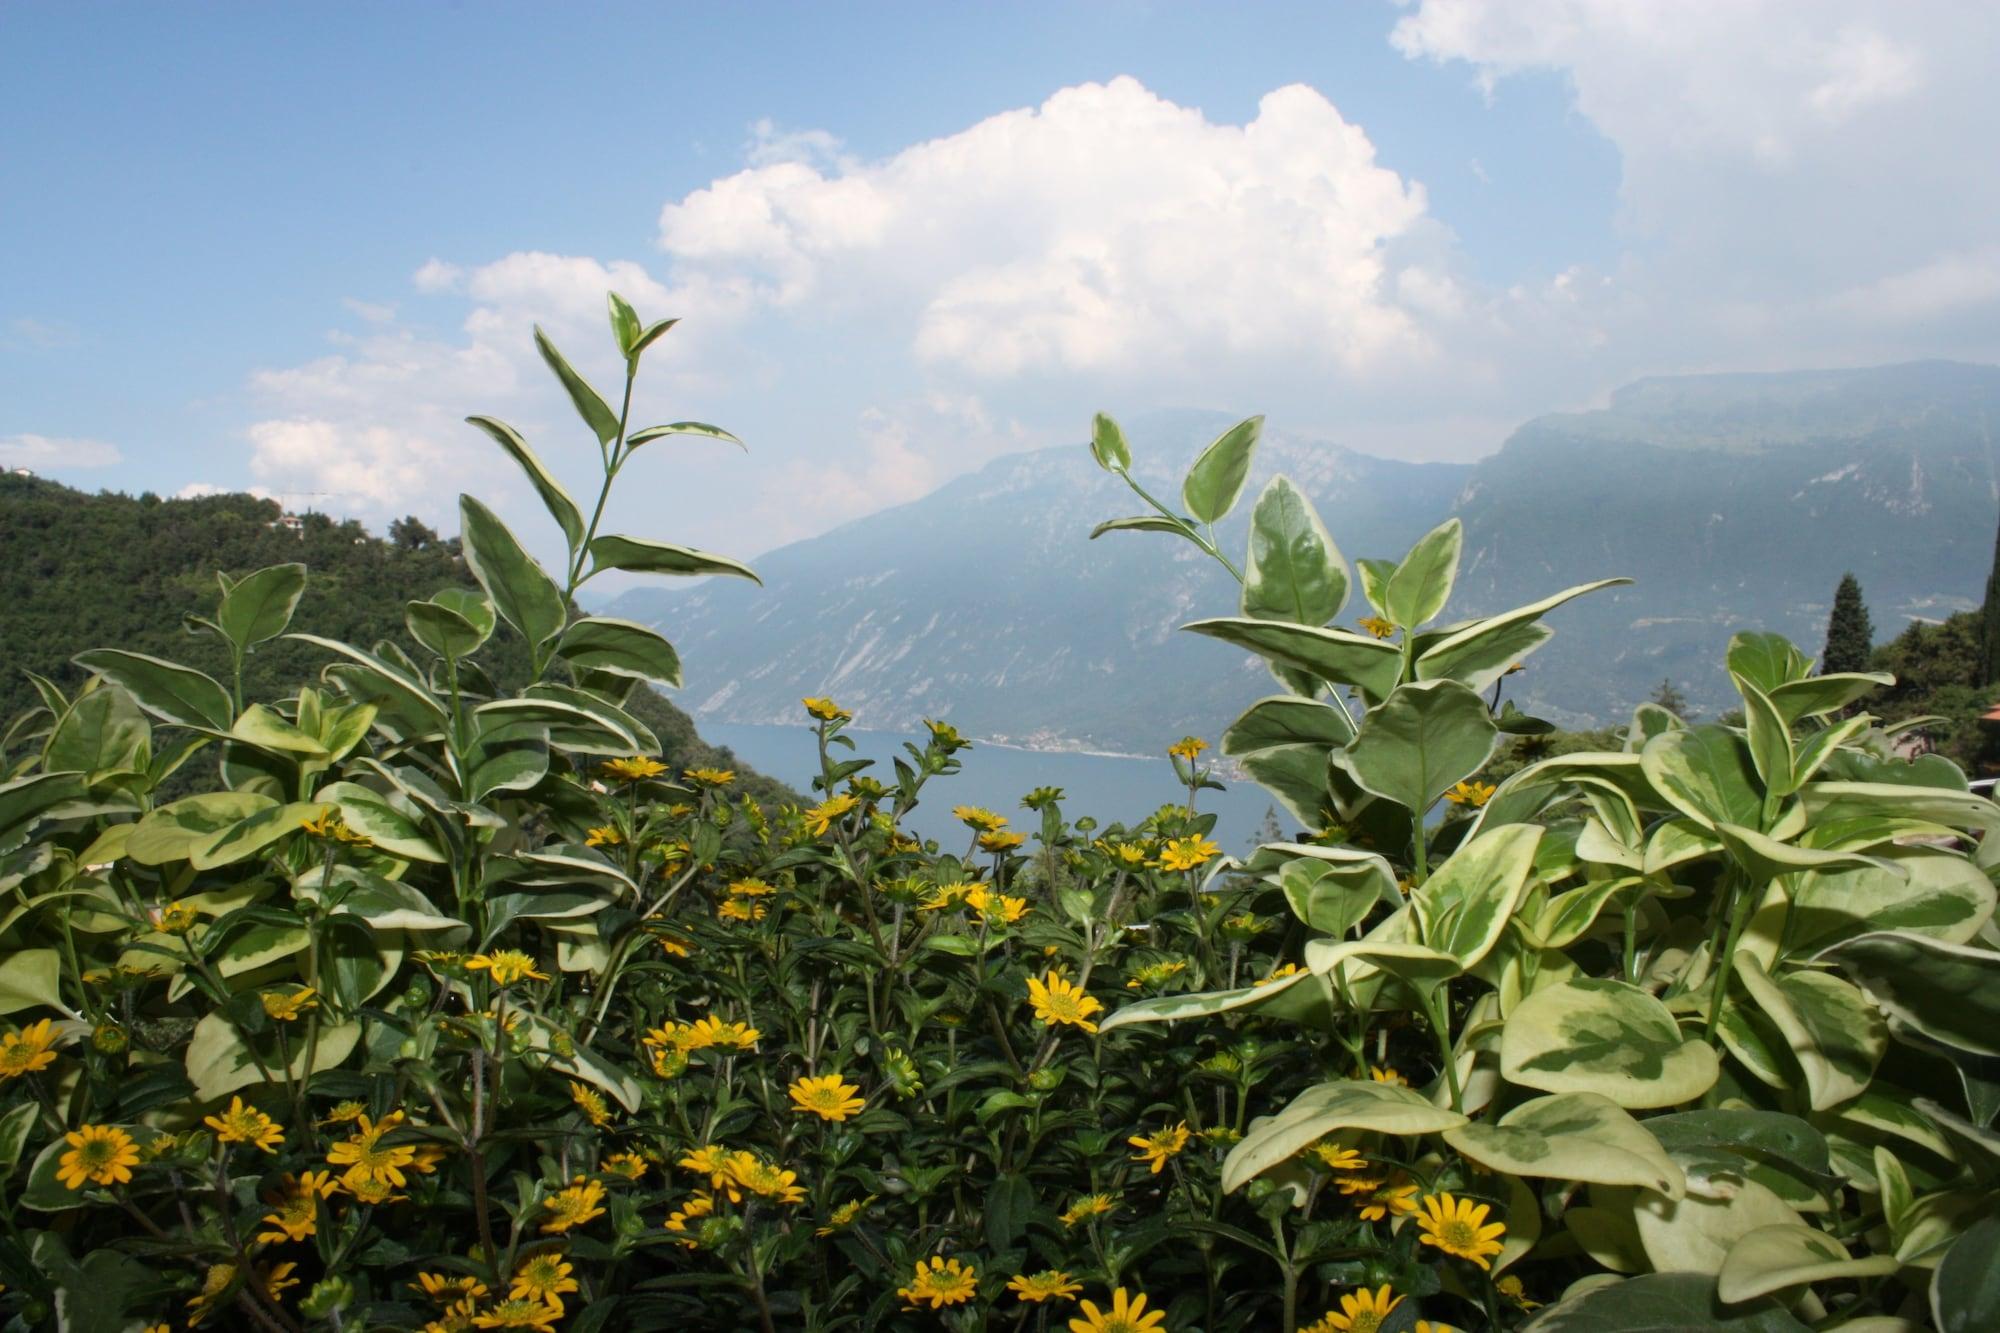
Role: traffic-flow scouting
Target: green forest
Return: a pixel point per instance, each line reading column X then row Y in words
column 78, row 571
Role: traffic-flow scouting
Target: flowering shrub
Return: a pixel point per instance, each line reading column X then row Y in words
column 450, row 1006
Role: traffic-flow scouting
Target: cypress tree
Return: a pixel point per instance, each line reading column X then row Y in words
column 1849, row 637
column 1989, row 615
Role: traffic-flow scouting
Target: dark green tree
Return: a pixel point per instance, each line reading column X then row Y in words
column 1849, row 637
column 1669, row 697
column 1989, row 616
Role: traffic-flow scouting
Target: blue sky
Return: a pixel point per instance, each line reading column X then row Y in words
column 289, row 246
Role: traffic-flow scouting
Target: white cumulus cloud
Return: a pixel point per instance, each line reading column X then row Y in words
column 1106, row 229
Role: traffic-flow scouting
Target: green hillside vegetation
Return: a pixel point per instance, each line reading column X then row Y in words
column 79, row 571
column 1937, row 669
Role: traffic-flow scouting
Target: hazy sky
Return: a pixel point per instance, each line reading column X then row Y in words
column 290, row 247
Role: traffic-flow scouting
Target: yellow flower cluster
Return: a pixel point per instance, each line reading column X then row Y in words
column 733, row 1172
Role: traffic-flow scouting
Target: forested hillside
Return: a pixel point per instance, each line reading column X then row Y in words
column 81, row 571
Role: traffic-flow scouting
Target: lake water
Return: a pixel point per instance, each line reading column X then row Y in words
column 997, row 777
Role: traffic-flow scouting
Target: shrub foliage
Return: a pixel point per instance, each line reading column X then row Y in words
column 444, row 1003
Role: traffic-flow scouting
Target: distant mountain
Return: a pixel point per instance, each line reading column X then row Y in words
column 987, row 603
column 1734, row 500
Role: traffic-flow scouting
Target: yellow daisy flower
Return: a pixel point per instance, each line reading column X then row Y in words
column 1049, row 1285
column 1056, row 999
column 820, row 817
column 591, row 1103
column 943, row 1282
column 843, row 1217
column 542, row 1277
column 28, row 1050
column 1459, row 1227
column 98, row 1155
column 1126, row 1314
column 1089, row 1206
column 506, row 966
column 1157, row 1148
column 573, row 1205
column 636, row 769
column 826, row 1097
column 286, row 1008
column 1471, row 794
column 1361, row 1311
column 1187, row 853
column 246, row 1124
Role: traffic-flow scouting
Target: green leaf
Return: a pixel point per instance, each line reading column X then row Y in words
column 1422, row 583
column 638, row 555
column 1938, row 893
column 1218, row 474
column 29, row 979
column 384, row 681
column 367, row 813
column 585, row 1064
column 1607, row 1037
column 1481, row 652
column 1948, row 992
column 1467, row 901
column 1332, row 895
column 1107, row 445
column 102, row 733
column 443, row 630
column 1381, row 1108
column 598, row 643
column 1295, row 775
column 172, row 832
column 1293, row 571
column 1286, row 719
column 261, row 727
column 1576, row 1136
column 1965, row 1290
column 1707, row 774
column 1138, row 523
column 253, row 833
column 167, row 690
column 650, row 335
column 1818, row 695
column 1781, row 1152
column 1833, row 1031
column 260, row 605
column 1422, row 740
column 590, row 404
column 1168, row 1008
column 702, row 428
column 1375, row 576
column 15, row 1126
column 625, row 327
column 557, row 500
column 521, row 590
column 218, row 1061
column 1764, row 660
column 1770, row 1259
column 1766, row 858
column 1770, row 739
column 1330, row 654
column 1660, row 1303
column 1826, row 802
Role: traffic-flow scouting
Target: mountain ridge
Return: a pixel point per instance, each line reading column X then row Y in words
column 1735, row 500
